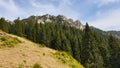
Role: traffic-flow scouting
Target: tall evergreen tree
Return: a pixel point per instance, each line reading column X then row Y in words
column 114, row 52
column 75, row 48
column 89, row 51
column 4, row 25
column 29, row 29
column 65, row 44
column 56, row 42
column 18, row 27
column 86, row 54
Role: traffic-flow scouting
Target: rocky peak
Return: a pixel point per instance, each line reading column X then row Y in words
column 70, row 21
column 47, row 16
column 62, row 17
column 76, row 24
column 58, row 19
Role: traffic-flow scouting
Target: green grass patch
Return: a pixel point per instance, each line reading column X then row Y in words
column 41, row 45
column 67, row 59
column 3, row 39
column 20, row 66
column 9, row 42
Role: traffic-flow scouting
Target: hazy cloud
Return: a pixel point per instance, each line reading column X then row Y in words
column 63, row 8
column 108, row 20
column 10, row 10
column 103, row 2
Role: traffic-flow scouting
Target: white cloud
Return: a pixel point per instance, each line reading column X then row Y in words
column 108, row 20
column 10, row 9
column 103, row 2
column 63, row 8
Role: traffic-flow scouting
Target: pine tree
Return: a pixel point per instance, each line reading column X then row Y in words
column 18, row 27
column 29, row 29
column 75, row 48
column 86, row 47
column 114, row 52
column 4, row 25
column 56, row 42
column 65, row 43
column 90, row 57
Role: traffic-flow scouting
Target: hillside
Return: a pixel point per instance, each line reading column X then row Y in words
column 17, row 52
column 113, row 33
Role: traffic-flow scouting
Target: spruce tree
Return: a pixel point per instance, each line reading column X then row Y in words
column 18, row 27
column 56, row 42
column 65, row 43
column 86, row 54
column 90, row 57
column 114, row 52
column 4, row 25
column 75, row 48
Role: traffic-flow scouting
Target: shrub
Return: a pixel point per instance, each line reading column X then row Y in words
column 36, row 65
column 43, row 54
column 16, row 40
column 3, row 39
column 9, row 42
column 24, row 61
column 20, row 66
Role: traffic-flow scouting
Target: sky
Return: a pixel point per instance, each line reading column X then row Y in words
column 102, row 14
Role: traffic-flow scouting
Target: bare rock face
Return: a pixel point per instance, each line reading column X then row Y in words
column 58, row 19
column 40, row 21
column 77, row 24
column 62, row 17
column 70, row 21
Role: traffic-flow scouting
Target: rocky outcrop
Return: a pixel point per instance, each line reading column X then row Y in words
column 57, row 19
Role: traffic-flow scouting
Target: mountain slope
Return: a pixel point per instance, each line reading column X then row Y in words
column 115, row 33
column 107, row 33
column 26, row 54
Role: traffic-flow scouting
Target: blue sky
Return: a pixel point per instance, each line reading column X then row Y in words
column 103, row 14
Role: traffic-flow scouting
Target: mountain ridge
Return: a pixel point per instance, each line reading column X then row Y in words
column 56, row 19
column 111, row 32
